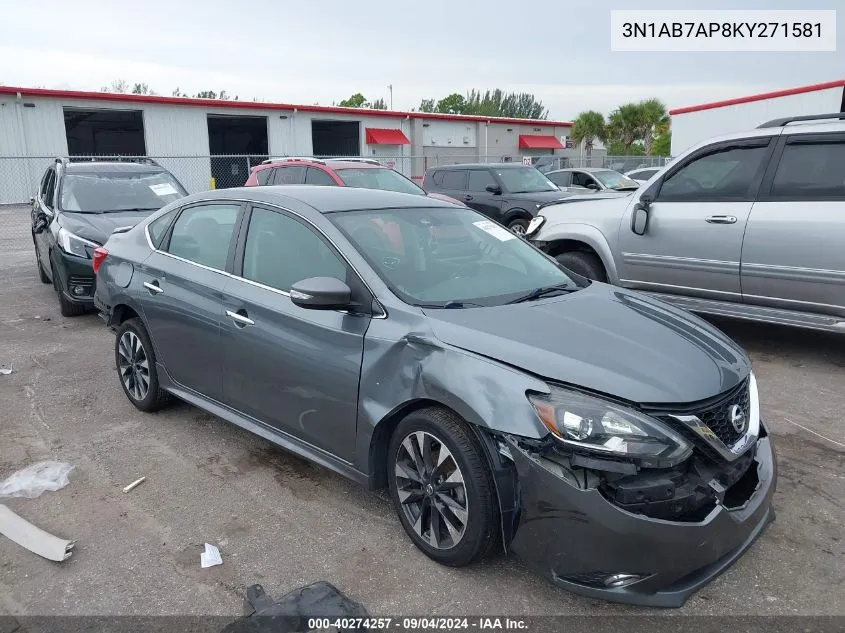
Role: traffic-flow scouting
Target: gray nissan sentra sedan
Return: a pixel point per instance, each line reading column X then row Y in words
column 612, row 441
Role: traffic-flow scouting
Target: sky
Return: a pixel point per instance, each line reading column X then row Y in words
column 321, row 52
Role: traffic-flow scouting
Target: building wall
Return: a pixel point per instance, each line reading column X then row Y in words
column 693, row 127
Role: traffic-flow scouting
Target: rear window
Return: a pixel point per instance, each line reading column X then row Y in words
column 119, row 191
column 378, row 178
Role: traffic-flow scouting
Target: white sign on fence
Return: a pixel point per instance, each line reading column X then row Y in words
column 526, row 160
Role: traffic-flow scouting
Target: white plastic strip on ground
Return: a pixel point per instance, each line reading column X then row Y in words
column 33, row 538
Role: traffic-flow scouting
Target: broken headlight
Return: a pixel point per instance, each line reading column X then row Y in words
column 591, row 424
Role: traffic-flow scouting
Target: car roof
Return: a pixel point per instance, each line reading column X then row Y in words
column 101, row 167
column 476, row 166
column 586, row 169
column 330, row 163
column 321, row 199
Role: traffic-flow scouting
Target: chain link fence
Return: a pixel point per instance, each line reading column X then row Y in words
column 20, row 176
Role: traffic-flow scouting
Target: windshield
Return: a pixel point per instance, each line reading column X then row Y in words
column 614, row 180
column 376, row 178
column 119, row 191
column 437, row 256
column 524, row 180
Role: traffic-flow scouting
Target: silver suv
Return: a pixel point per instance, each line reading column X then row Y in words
column 749, row 225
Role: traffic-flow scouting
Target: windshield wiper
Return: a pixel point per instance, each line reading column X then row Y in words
column 543, row 292
column 450, row 305
column 135, row 209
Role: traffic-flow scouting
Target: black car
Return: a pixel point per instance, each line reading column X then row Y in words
column 612, row 441
column 77, row 207
column 510, row 193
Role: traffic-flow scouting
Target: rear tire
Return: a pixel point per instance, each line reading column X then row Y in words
column 134, row 358
column 442, row 488
column 585, row 264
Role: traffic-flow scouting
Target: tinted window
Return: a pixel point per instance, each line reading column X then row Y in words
column 263, row 176
column 581, row 179
column 479, row 179
column 315, row 176
column 524, row 180
column 119, row 191
column 49, row 189
column 726, row 174
column 158, row 227
column 453, row 179
column 811, row 170
column 561, row 178
column 288, row 175
column 438, row 255
column 281, row 250
column 203, row 234
column 644, row 174
column 378, row 178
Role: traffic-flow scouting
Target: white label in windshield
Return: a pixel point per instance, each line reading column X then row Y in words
column 164, row 189
column 495, row 230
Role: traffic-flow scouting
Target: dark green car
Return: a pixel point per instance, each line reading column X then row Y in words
column 77, row 207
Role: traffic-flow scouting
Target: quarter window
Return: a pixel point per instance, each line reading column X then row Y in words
column 281, row 251
column 158, row 227
column 811, row 171
column 48, row 189
column 203, row 234
column 726, row 174
column 263, row 176
column 454, row 179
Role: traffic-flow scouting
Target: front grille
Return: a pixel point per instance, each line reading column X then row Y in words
column 718, row 418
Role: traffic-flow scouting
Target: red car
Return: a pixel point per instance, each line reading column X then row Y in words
column 339, row 172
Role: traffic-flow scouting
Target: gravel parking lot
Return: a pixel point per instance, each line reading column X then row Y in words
column 282, row 522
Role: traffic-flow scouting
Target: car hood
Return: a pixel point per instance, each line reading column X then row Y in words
column 98, row 226
column 604, row 339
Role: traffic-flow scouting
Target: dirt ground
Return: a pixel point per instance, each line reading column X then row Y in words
column 282, row 522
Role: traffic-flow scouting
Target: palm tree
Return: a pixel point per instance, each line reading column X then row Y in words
column 654, row 122
column 625, row 125
column 588, row 127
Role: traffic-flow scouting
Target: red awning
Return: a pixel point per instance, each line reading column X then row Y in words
column 386, row 136
column 539, row 141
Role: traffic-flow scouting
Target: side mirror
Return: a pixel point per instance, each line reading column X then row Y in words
column 639, row 219
column 592, row 185
column 494, row 189
column 321, row 293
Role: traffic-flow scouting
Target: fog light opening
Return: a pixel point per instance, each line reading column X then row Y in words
column 620, row 580
column 78, row 290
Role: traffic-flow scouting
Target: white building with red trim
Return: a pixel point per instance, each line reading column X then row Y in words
column 37, row 125
column 693, row 124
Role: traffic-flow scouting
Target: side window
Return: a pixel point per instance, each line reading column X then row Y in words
column 48, row 188
column 158, row 227
column 281, row 250
column 479, row 179
column 288, row 175
column 582, row 179
column 263, row 176
column 455, row 179
column 810, row 170
column 314, row 176
column 725, row 174
column 561, row 179
column 437, row 178
column 203, row 234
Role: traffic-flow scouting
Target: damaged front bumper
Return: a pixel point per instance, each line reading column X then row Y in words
column 574, row 534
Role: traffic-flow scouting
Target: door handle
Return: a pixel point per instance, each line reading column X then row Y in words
column 721, row 219
column 153, row 287
column 240, row 320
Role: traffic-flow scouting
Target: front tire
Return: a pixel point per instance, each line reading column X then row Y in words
column 442, row 488
column 585, row 264
column 136, row 367
column 518, row 226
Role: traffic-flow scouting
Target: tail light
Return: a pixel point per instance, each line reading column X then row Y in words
column 99, row 257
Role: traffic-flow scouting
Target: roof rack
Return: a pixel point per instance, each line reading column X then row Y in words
column 807, row 117
column 354, row 159
column 283, row 159
column 108, row 159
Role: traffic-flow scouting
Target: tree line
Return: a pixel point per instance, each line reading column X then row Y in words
column 124, row 87
column 493, row 103
column 632, row 129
